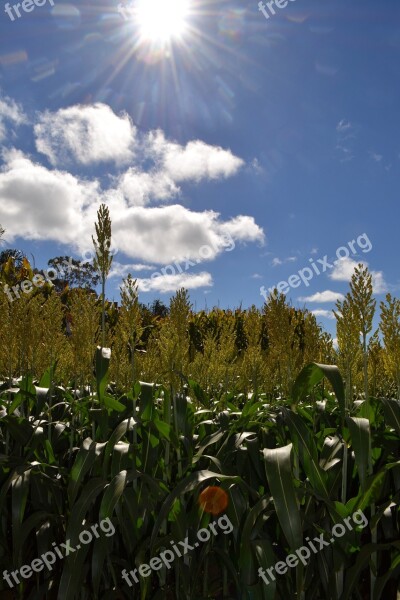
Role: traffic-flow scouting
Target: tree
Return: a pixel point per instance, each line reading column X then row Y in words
column 81, row 275
column 14, row 266
column 103, row 257
column 159, row 309
column 17, row 256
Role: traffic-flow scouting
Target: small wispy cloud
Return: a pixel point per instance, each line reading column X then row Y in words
column 376, row 157
column 119, row 270
column 345, row 140
column 343, row 125
column 276, row 262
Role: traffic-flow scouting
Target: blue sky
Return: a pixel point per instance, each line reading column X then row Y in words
column 279, row 137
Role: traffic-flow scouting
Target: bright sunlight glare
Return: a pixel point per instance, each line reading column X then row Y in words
column 162, row 20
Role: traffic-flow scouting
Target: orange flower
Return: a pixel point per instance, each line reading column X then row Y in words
column 213, row 500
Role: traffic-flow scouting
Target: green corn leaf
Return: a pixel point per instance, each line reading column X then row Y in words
column 279, row 472
column 392, row 413
column 361, row 442
column 112, row 494
column 313, row 374
column 307, row 451
column 84, row 461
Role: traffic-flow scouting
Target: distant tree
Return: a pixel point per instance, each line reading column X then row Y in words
column 17, row 257
column 159, row 309
column 82, row 275
column 14, row 266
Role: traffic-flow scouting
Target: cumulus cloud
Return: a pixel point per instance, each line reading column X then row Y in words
column 92, row 134
column 140, row 188
column 327, row 314
column 173, row 232
column 40, row 204
column 344, row 270
column 85, row 134
column 326, row 296
column 378, row 283
column 171, row 283
column 193, row 162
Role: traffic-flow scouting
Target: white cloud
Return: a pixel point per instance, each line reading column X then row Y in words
column 121, row 271
column 39, row 204
column 171, row 283
column 94, row 134
column 10, row 111
column 276, row 262
column 193, row 162
column 344, row 270
column 343, row 125
column 140, row 188
column 174, row 233
column 256, row 276
column 326, row 296
column 327, row 314
column 376, row 157
column 85, row 134
column 378, row 283
column 242, row 229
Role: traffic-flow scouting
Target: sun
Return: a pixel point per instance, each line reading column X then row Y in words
column 161, row 20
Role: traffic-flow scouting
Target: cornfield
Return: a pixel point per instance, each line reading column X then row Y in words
column 254, row 406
